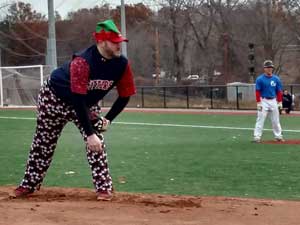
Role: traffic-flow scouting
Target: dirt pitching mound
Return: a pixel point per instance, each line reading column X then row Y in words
column 74, row 206
column 286, row 142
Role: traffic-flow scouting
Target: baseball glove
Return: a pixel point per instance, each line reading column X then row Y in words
column 102, row 124
column 259, row 106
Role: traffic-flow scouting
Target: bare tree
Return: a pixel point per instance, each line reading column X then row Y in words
column 200, row 17
column 293, row 13
column 23, row 12
column 223, row 16
column 292, row 8
column 179, row 32
column 271, row 26
column 195, row 36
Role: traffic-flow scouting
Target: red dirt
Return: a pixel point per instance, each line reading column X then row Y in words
column 286, row 142
column 62, row 206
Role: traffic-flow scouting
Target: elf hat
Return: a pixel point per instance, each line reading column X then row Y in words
column 108, row 31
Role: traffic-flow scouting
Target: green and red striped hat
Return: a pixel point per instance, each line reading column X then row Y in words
column 108, row 31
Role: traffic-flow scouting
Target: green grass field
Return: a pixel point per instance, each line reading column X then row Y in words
column 205, row 155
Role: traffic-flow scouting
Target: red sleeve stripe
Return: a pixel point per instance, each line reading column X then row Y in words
column 126, row 86
column 279, row 96
column 79, row 75
column 257, row 93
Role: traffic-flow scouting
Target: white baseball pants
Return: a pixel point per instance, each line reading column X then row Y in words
column 269, row 107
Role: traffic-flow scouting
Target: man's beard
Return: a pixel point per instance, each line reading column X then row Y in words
column 117, row 54
column 111, row 53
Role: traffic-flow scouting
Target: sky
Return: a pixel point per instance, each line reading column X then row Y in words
column 65, row 6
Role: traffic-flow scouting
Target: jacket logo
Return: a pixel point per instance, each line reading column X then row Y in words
column 100, row 84
column 273, row 84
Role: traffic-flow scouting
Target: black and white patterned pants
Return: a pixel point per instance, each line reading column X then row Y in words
column 53, row 115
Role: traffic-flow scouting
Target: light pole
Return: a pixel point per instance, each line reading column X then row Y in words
column 123, row 28
column 1, row 83
column 51, row 44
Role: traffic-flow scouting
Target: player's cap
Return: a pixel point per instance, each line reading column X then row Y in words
column 108, row 31
column 268, row 64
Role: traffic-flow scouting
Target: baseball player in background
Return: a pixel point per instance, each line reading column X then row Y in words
column 72, row 94
column 269, row 101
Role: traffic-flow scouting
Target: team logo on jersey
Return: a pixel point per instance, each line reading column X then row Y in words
column 100, row 84
column 273, row 83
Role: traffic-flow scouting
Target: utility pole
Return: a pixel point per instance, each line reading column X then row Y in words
column 226, row 58
column 157, row 56
column 51, row 42
column 123, row 28
column 251, row 60
column 1, row 83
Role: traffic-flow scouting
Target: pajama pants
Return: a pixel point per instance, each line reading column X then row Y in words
column 53, row 115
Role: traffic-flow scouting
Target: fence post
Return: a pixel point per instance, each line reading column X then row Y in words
column 1, row 89
column 237, row 97
column 165, row 103
column 211, row 97
column 142, row 97
column 187, row 98
column 41, row 75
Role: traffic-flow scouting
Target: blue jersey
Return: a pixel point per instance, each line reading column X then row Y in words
column 268, row 86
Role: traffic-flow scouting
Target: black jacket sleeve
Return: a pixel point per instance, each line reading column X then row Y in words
column 117, row 107
column 82, row 112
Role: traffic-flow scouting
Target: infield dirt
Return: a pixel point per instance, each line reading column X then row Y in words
column 73, row 206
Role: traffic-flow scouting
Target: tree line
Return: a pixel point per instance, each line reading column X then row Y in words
column 208, row 38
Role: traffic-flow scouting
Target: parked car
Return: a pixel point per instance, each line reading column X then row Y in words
column 193, row 77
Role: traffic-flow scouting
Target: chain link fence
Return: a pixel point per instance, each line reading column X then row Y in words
column 232, row 97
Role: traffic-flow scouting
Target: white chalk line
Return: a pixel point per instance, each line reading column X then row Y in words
column 164, row 125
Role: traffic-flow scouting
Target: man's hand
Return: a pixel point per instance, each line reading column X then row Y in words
column 259, row 106
column 279, row 104
column 94, row 143
column 102, row 124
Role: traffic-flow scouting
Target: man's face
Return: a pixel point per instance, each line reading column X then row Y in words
column 112, row 49
column 268, row 70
